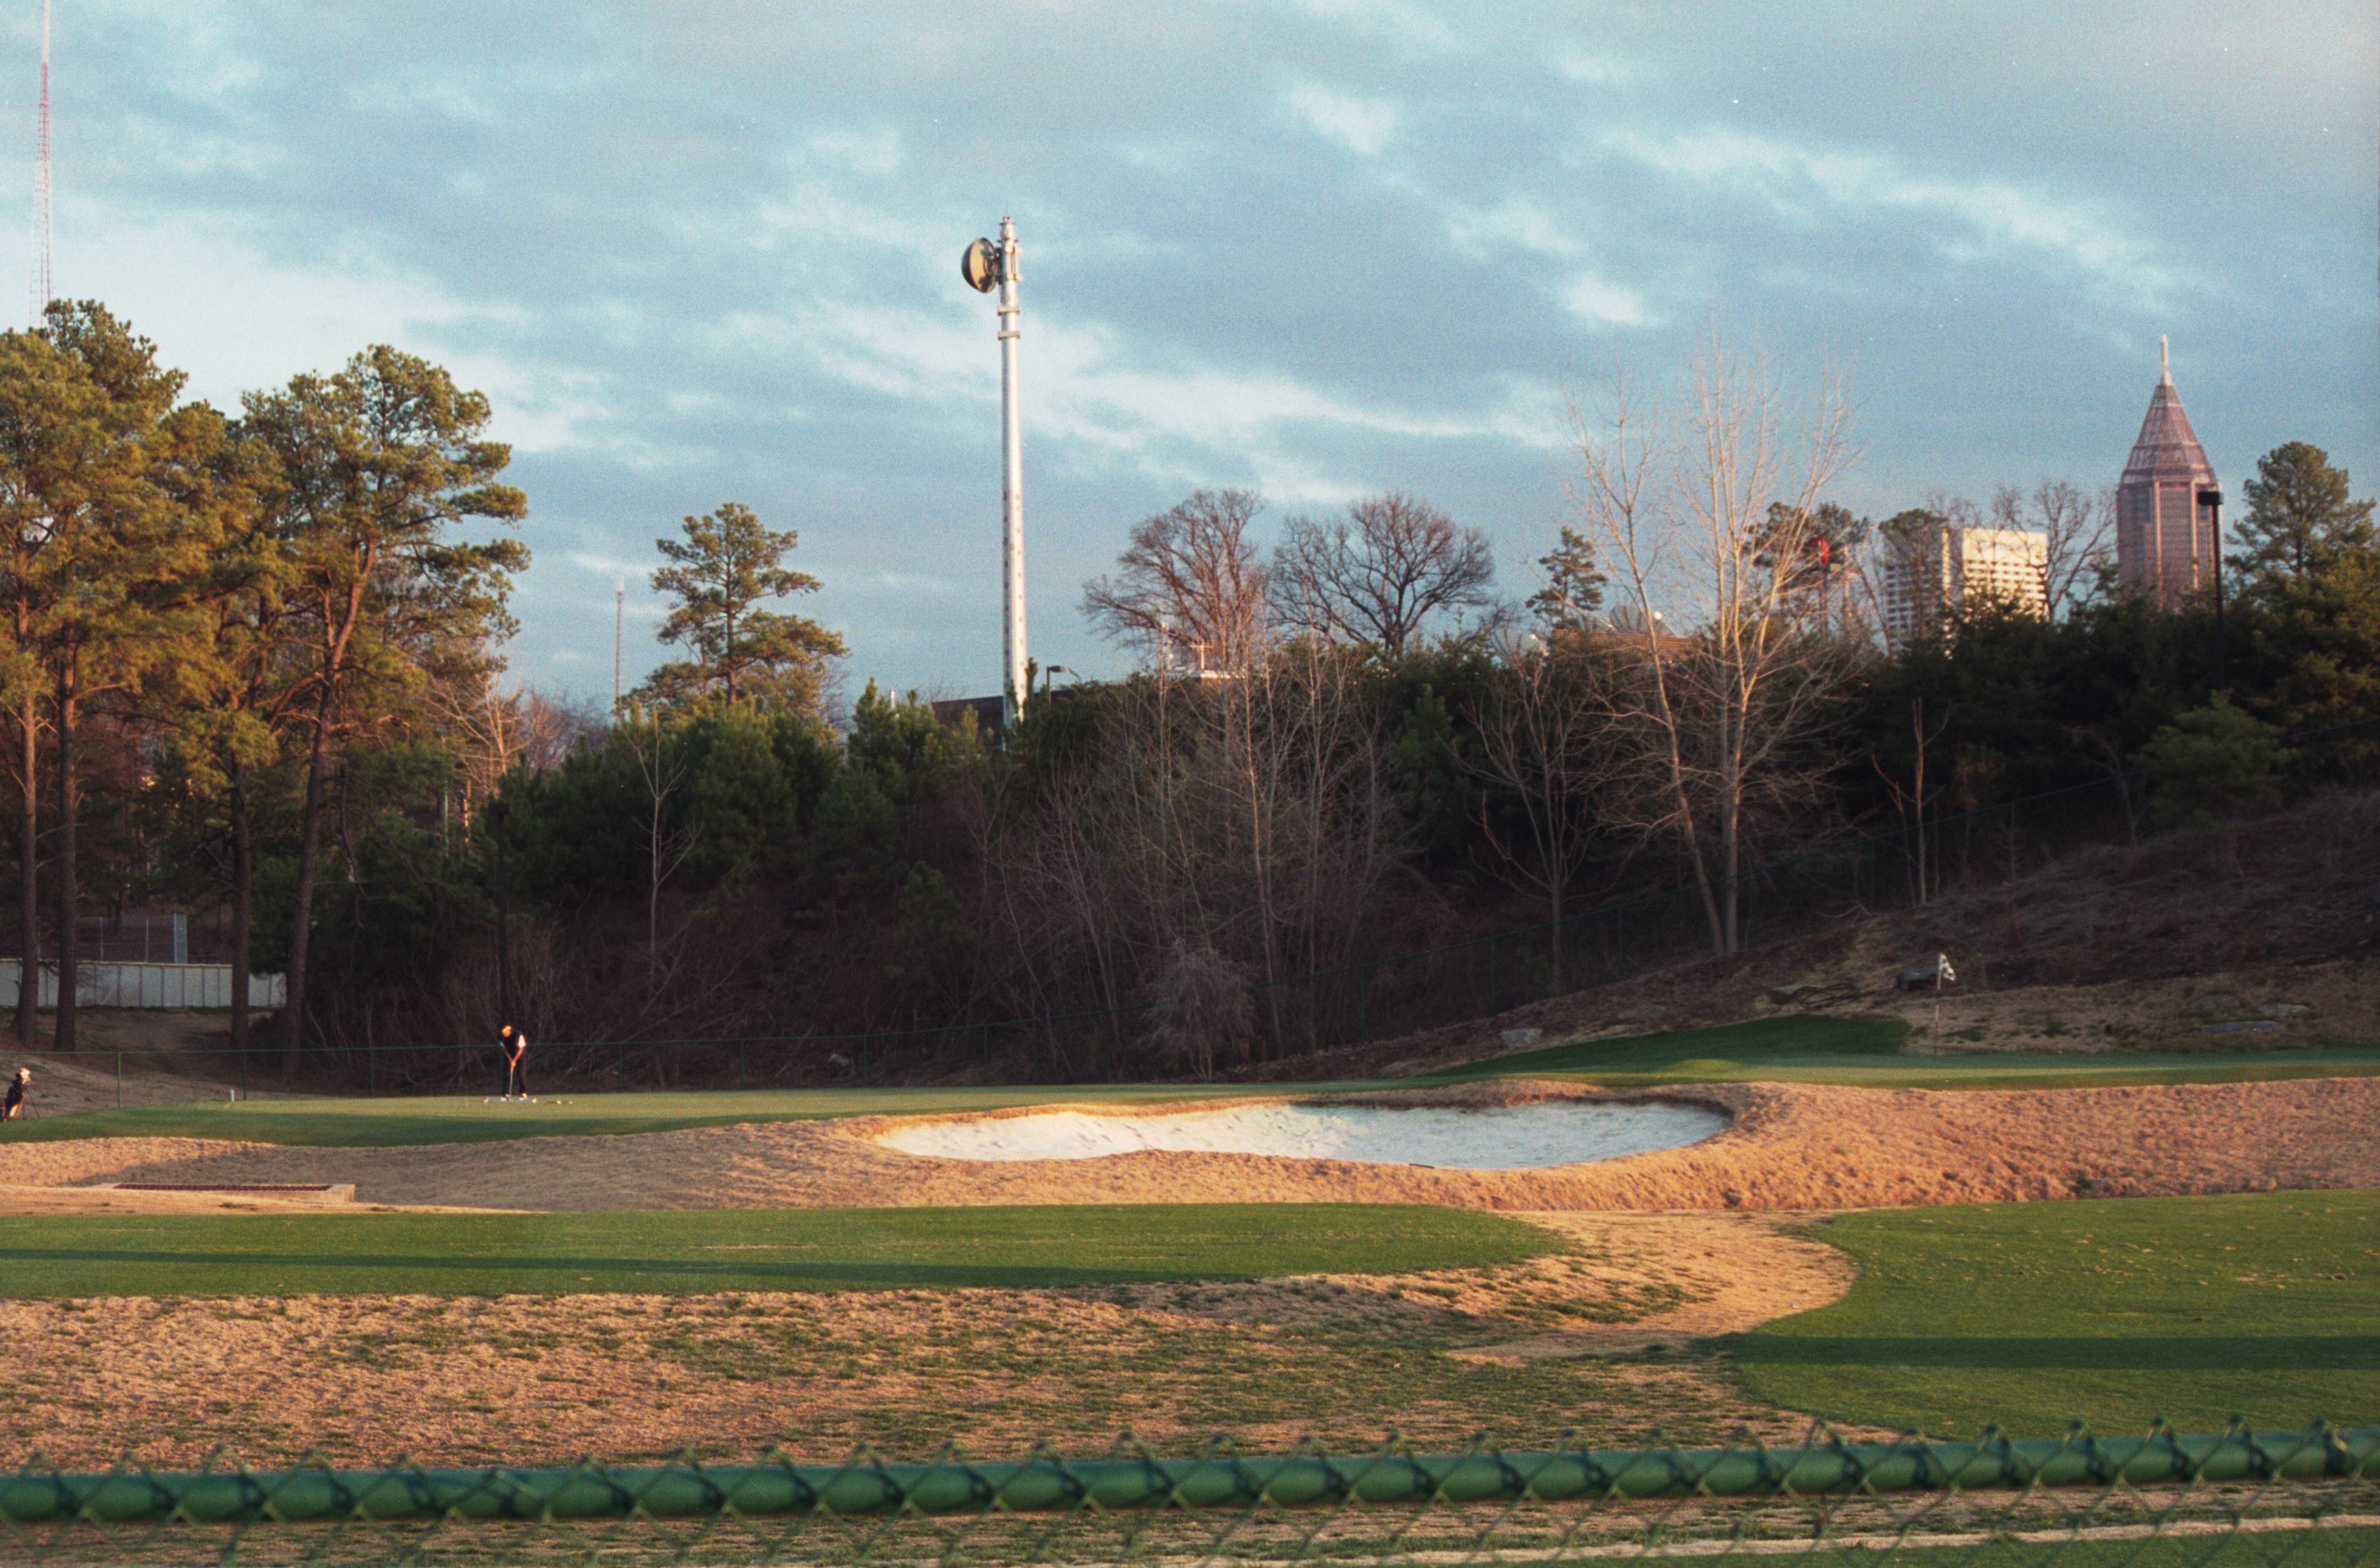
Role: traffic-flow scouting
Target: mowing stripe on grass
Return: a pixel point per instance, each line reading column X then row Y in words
column 2195, row 1309
column 675, row 1253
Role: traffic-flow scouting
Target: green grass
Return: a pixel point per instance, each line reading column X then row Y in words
column 1869, row 1054
column 679, row 1253
column 2120, row 1311
column 1798, row 1041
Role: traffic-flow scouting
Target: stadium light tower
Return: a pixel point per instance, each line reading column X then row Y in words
column 41, row 279
column 985, row 266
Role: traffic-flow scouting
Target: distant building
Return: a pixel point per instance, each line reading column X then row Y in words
column 2164, row 538
column 1940, row 567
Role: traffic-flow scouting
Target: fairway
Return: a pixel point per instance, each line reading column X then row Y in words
column 417, row 1122
column 2195, row 1309
column 678, row 1254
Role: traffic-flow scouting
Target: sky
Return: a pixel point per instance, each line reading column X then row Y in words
column 696, row 253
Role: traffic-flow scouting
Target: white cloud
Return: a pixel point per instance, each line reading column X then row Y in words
column 1576, row 64
column 1517, row 224
column 1987, row 215
column 1363, row 126
column 1597, row 300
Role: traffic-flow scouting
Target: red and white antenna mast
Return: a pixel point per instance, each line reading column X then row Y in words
column 41, row 286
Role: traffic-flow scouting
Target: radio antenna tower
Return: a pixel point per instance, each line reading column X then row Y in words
column 619, row 623
column 41, row 283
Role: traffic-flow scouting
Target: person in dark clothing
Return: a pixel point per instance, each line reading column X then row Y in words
column 12, row 1104
column 515, row 1049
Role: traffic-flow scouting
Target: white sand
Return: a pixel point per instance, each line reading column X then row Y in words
column 1510, row 1138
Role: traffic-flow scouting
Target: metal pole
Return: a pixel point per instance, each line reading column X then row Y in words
column 2212, row 500
column 497, row 812
column 1012, row 490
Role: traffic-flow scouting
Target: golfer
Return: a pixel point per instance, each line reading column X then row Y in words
column 12, row 1104
column 515, row 1048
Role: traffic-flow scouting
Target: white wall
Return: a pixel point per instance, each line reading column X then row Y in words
column 145, row 985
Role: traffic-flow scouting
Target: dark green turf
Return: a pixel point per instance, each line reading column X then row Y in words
column 1867, row 1052
column 2195, row 1309
column 1797, row 1040
column 680, row 1253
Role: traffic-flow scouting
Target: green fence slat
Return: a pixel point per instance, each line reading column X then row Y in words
column 1042, row 1484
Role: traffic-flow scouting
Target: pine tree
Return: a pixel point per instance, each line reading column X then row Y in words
column 94, row 459
column 1573, row 589
column 726, row 565
column 2298, row 516
column 378, row 462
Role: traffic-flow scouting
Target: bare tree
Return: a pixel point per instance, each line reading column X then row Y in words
column 1539, row 737
column 2076, row 525
column 1190, row 586
column 1714, row 724
column 1377, row 573
column 1252, row 817
column 1200, row 1003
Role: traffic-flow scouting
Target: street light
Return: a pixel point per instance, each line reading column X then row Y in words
column 1047, row 671
column 2212, row 499
column 497, row 811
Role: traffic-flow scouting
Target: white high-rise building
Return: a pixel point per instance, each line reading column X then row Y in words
column 1941, row 568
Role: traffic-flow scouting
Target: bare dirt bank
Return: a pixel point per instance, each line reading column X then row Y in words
column 1789, row 1147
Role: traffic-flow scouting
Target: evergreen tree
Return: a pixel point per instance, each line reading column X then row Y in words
column 95, row 466
column 2299, row 517
column 726, row 565
column 378, row 462
column 1573, row 589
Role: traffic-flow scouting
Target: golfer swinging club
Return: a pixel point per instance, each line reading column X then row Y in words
column 13, row 1104
column 515, row 1049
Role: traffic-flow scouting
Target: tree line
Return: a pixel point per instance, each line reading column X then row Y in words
column 256, row 659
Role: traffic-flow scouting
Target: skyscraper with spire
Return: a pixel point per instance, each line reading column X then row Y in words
column 2164, row 543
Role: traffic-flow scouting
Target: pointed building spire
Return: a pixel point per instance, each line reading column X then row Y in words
column 2163, row 542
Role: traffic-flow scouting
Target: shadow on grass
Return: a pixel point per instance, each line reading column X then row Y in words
column 2067, row 1353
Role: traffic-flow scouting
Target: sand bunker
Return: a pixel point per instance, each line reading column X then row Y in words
column 1792, row 1146
column 1510, row 1137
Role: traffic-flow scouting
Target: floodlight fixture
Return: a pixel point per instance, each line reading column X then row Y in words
column 980, row 266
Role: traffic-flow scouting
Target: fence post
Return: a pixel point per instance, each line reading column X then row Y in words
column 372, row 1070
column 986, row 1055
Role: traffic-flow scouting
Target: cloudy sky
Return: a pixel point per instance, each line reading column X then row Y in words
column 703, row 252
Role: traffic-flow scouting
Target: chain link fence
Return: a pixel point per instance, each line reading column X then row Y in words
column 2236, row 1498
